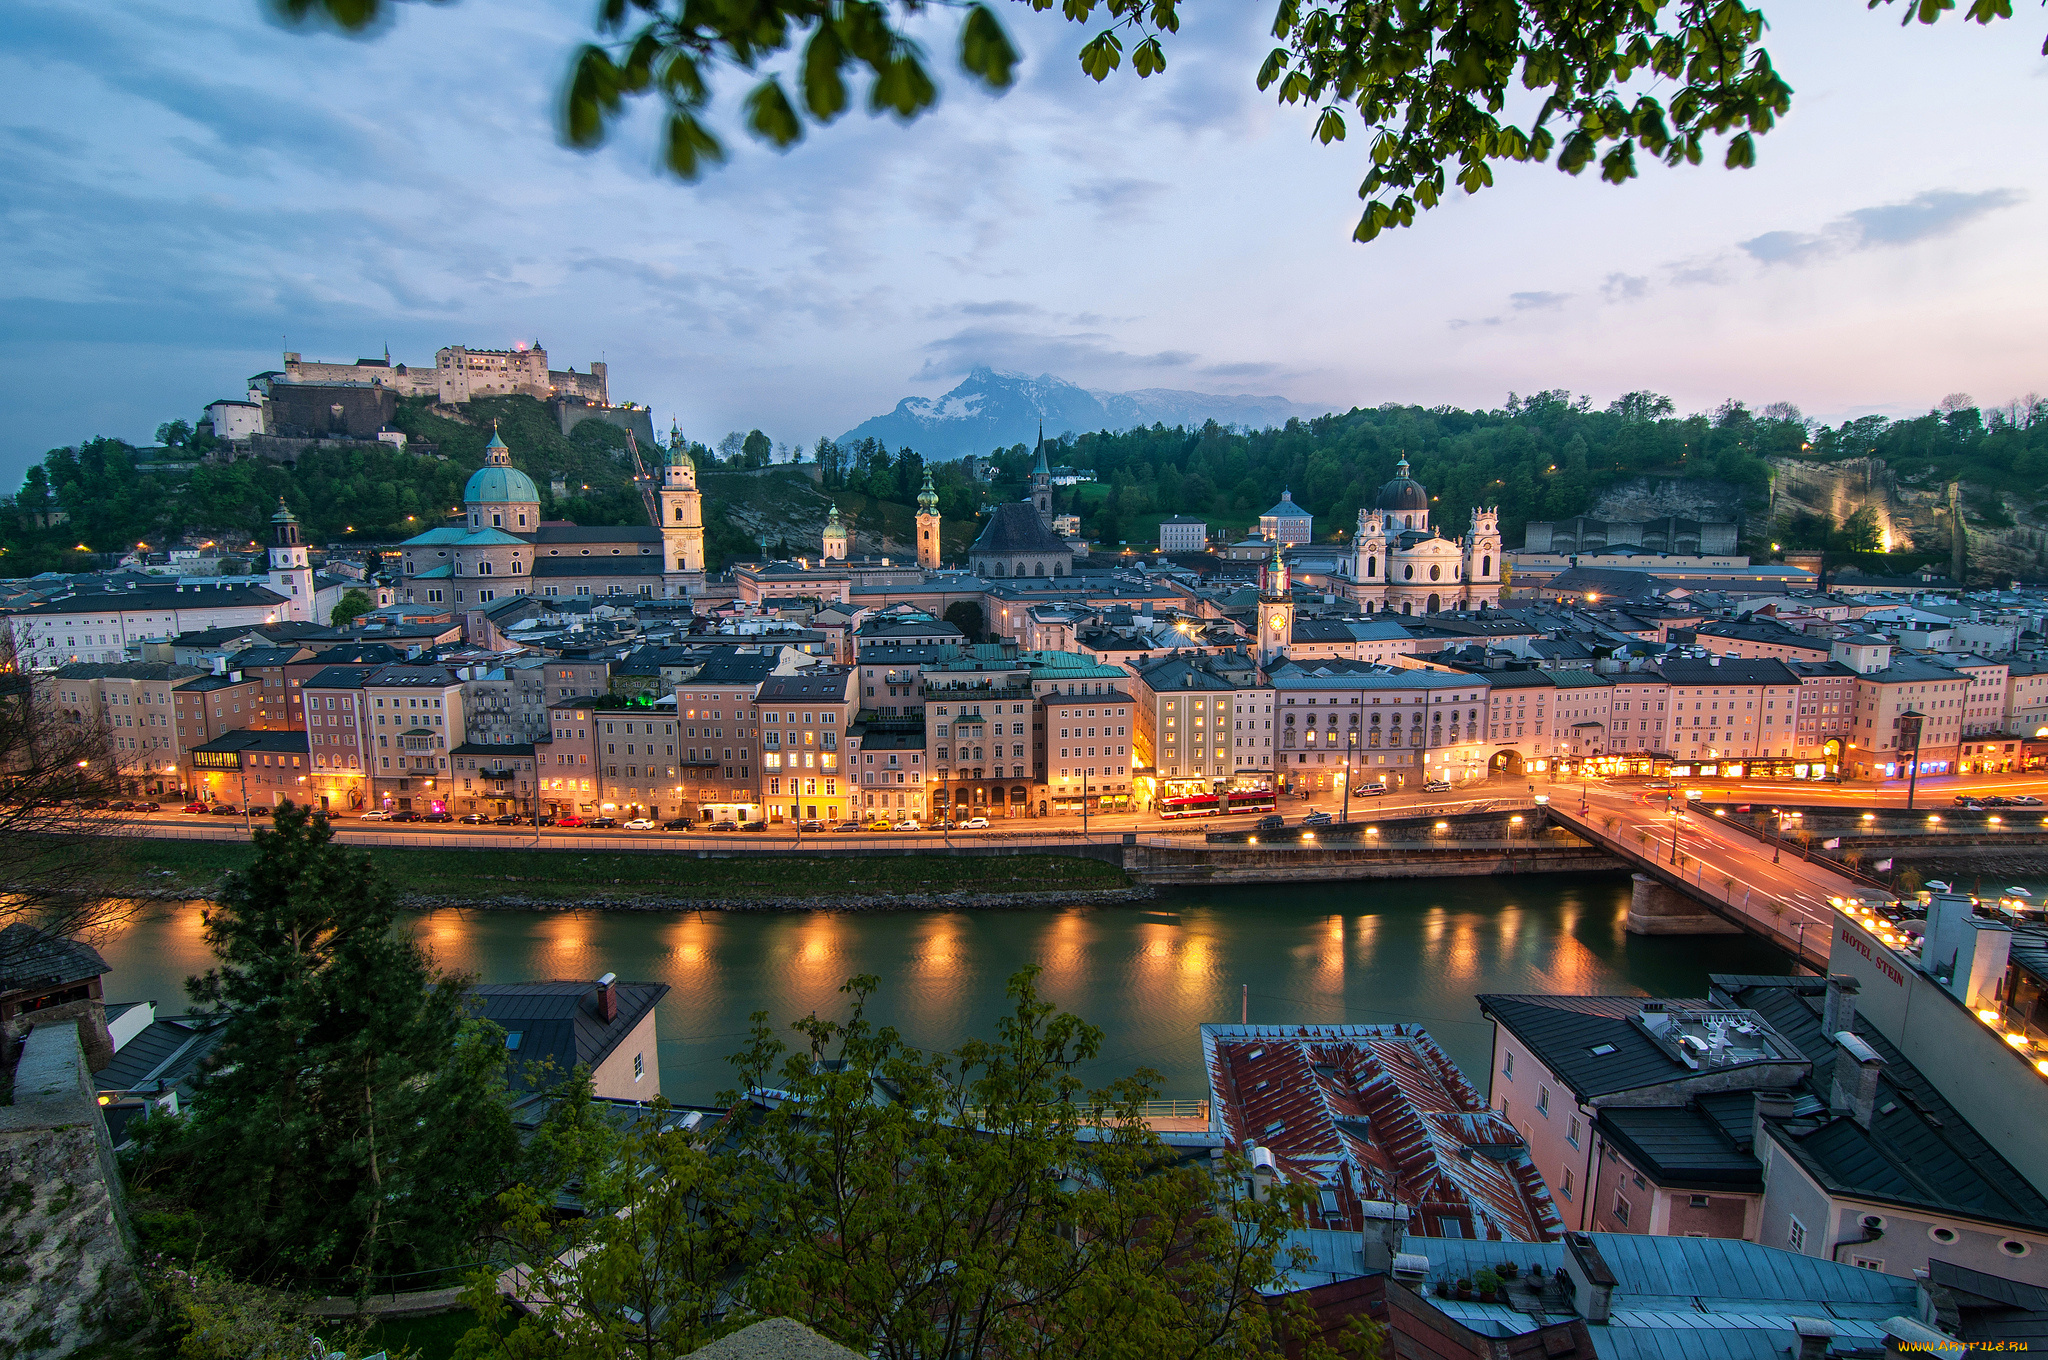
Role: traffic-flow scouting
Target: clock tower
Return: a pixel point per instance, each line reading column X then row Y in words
column 1276, row 607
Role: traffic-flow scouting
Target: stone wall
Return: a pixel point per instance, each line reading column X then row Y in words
column 1911, row 514
column 67, row 1269
column 1642, row 498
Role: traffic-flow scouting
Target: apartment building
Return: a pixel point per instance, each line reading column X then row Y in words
column 886, row 769
column 1087, row 750
column 1827, row 703
column 248, row 769
column 1198, row 722
column 416, row 715
column 214, row 704
column 2026, row 698
column 507, row 700
column 1391, row 726
column 1519, row 729
column 132, row 704
column 568, row 759
column 1731, row 708
column 986, row 734
column 1984, row 702
column 719, row 759
column 270, row 667
column 1583, row 715
column 493, row 780
column 1879, row 747
column 637, row 762
column 107, row 625
column 804, row 722
column 340, row 742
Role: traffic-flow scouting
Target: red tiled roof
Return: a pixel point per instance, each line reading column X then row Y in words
column 1377, row 1113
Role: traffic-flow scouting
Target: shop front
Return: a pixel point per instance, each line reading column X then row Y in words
column 981, row 799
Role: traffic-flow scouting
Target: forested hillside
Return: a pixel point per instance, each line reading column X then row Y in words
column 1542, row 457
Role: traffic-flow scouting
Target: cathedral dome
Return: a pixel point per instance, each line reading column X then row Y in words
column 497, row 481
column 1402, row 493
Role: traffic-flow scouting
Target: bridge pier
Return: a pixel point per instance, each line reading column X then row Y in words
column 1656, row 908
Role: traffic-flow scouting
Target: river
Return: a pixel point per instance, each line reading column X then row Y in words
column 1358, row 953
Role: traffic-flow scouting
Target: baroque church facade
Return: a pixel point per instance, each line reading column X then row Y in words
column 502, row 547
column 1402, row 564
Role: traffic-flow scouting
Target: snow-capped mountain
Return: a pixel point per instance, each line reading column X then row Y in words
column 991, row 409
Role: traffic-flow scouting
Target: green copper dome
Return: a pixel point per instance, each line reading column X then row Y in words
column 497, row 482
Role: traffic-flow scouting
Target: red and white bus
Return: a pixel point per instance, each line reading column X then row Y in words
column 1248, row 793
column 1187, row 798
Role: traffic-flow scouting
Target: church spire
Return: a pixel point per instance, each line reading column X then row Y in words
column 927, row 498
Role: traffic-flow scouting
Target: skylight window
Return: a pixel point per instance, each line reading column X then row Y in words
column 1601, row 1050
column 512, row 1038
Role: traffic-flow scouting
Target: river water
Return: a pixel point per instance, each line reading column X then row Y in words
column 1357, row 953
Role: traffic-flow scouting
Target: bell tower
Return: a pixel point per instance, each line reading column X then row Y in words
column 682, row 512
column 1276, row 607
column 1369, row 571
column 1041, row 482
column 1483, row 566
column 835, row 537
column 291, row 575
column 928, row 525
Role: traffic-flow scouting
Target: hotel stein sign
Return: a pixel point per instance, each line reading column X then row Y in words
column 217, row 760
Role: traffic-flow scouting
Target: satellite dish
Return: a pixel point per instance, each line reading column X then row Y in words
column 1938, row 885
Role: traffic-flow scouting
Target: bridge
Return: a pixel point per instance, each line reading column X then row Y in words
column 1698, row 874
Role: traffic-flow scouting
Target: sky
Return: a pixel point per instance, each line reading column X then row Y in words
column 191, row 189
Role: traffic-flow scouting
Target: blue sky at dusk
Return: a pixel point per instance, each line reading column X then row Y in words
column 191, row 189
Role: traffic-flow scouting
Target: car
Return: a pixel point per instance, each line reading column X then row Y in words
column 814, row 828
column 1376, row 789
column 199, row 808
column 1966, row 802
column 547, row 819
column 375, row 815
column 437, row 816
column 571, row 820
column 642, row 824
column 509, row 819
column 473, row 819
column 93, row 805
column 679, row 824
column 846, row 826
column 1317, row 819
column 601, row 823
column 2025, row 800
column 149, row 807
column 725, row 825
column 975, row 824
column 226, row 810
column 1275, row 822
column 1436, row 786
column 403, row 816
column 1660, row 784
column 123, row 805
column 753, row 826
column 1996, row 801
column 909, row 824
column 881, row 824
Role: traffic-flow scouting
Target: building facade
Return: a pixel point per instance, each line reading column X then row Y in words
column 1400, row 564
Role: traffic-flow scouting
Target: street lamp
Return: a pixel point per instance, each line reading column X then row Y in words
column 1910, row 723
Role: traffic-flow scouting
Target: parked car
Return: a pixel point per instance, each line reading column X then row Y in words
column 679, row 824
column 473, row 819
column 375, row 815
column 548, row 819
column 437, row 816
column 1317, row 819
column 225, row 810
column 571, row 820
column 94, row 805
column 149, row 807
column 1996, row 801
column 2025, row 800
column 847, row 826
column 1275, row 822
column 642, row 824
column 601, row 823
column 1376, row 789
column 909, row 824
column 975, row 824
column 726, row 825
column 199, row 808
column 881, row 824
column 1436, row 786
column 753, row 826
column 122, row 805
column 1964, row 800
column 814, row 828
column 508, row 819
column 403, row 816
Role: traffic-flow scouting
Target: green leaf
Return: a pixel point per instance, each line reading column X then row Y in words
column 1330, row 127
column 770, row 115
column 985, row 49
column 1148, row 58
column 902, row 86
column 1102, row 54
column 592, row 94
column 688, row 147
column 824, row 89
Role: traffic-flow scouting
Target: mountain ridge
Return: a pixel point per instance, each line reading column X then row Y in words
column 993, row 408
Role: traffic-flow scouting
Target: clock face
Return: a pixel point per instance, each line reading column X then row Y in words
column 1277, row 620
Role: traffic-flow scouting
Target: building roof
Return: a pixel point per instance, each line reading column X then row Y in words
column 165, row 597
column 1402, row 492
column 552, row 1027
column 1377, row 1114
column 818, row 684
column 500, row 485
column 1994, row 1312
column 636, row 564
column 1181, row 673
column 1564, row 1032
column 562, row 532
column 1285, row 508
column 1014, row 527
column 726, row 667
column 168, row 1053
column 1726, row 670
column 286, row 741
column 32, row 959
column 127, row 670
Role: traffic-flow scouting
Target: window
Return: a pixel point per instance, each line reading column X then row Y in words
column 1543, row 1101
column 1795, row 1237
column 639, row 1066
column 512, row 1038
column 1867, row 1262
column 1507, row 1066
column 1572, row 1135
column 1700, row 1201
column 1566, row 1188
column 1621, row 1208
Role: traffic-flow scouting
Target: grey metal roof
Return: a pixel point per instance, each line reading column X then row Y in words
column 577, row 533
column 1727, row 670
column 558, row 1024
column 34, row 959
column 625, row 564
column 1686, row 1147
column 166, row 1054
column 1563, row 1031
column 1014, row 527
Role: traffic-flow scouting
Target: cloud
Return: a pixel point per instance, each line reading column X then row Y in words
column 1923, row 217
column 1075, row 355
column 1624, row 287
column 1460, row 323
column 1538, row 302
column 1117, row 199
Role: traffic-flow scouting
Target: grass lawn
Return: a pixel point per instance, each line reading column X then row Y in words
column 193, row 867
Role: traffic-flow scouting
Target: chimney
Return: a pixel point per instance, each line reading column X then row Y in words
column 1839, row 1011
column 1386, row 1223
column 1592, row 1281
column 1769, row 1105
column 1814, row 1336
column 608, row 997
column 1857, row 1068
column 220, row 665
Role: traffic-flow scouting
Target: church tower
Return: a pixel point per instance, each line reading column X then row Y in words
column 291, row 575
column 682, row 512
column 835, row 536
column 1041, row 482
column 1276, row 607
column 1369, row 569
column 928, row 525
column 1483, row 566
